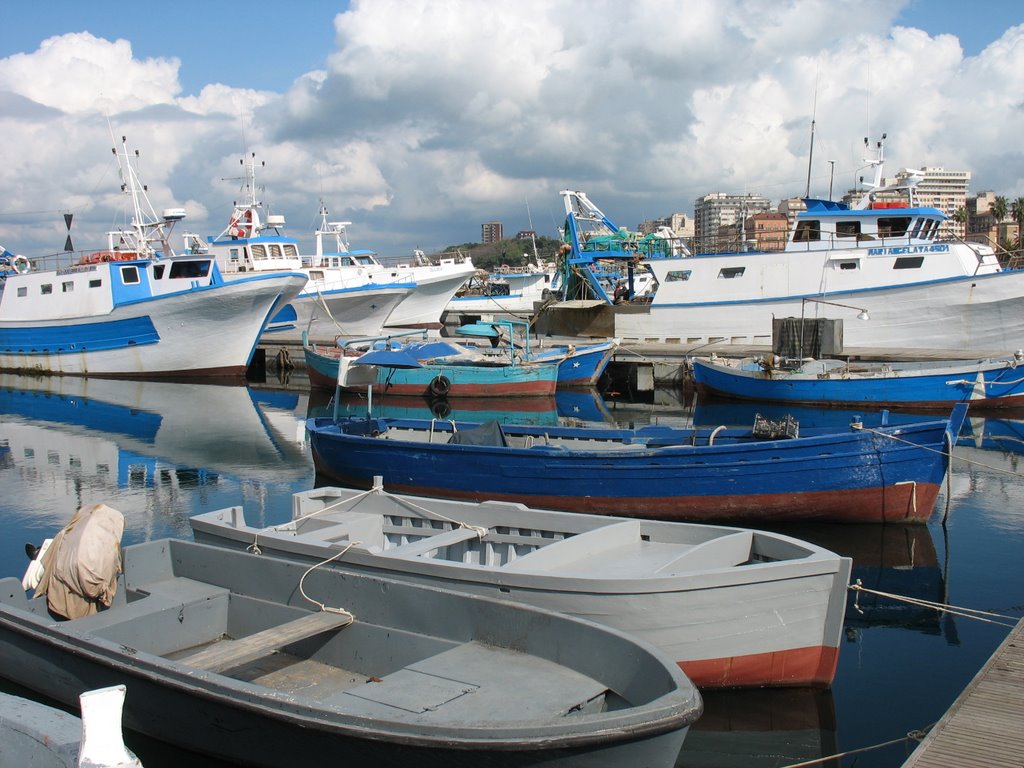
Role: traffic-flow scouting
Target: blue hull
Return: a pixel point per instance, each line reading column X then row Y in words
column 879, row 474
column 983, row 384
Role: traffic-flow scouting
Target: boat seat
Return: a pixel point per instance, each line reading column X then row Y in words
column 430, row 543
column 721, row 552
column 227, row 654
column 578, row 548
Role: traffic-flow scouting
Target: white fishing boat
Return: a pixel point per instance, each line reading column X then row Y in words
column 340, row 300
column 733, row 607
column 134, row 309
column 433, row 283
column 880, row 257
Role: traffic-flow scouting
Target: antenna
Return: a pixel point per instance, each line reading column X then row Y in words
column 810, row 155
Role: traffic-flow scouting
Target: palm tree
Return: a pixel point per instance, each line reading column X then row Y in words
column 961, row 216
column 1017, row 212
column 999, row 209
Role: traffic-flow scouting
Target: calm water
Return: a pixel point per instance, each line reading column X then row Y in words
column 162, row 452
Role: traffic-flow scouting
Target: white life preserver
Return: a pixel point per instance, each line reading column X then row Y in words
column 21, row 265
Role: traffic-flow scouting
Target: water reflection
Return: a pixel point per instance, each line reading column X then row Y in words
column 156, row 451
column 765, row 728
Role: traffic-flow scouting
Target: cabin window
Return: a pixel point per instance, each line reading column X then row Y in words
column 316, row 274
column 234, row 254
column 275, row 251
column 893, row 226
column 916, row 231
column 807, row 231
column 847, row 228
column 158, row 272
column 95, row 283
column 290, row 251
column 849, row 265
column 190, row 269
column 130, row 275
column 68, row 286
column 676, row 275
column 46, row 289
column 22, row 290
column 727, row 273
column 908, row 262
column 259, row 252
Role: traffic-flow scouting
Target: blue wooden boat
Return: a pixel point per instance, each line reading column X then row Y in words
column 990, row 383
column 444, row 369
column 862, row 473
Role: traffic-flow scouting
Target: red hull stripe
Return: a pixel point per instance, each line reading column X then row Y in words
column 905, row 503
column 796, row 667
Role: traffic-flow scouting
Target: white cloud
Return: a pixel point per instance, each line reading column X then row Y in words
column 431, row 117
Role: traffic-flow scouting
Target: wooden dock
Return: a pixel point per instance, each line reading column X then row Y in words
column 985, row 726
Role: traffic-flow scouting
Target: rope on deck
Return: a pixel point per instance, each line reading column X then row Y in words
column 968, row 613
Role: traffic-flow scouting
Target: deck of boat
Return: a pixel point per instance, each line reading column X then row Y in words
column 983, row 727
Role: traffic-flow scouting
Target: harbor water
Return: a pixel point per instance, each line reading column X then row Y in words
column 161, row 452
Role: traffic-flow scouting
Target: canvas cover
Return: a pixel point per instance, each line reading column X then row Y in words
column 81, row 566
column 488, row 433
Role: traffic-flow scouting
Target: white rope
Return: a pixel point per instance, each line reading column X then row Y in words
column 941, row 453
column 322, row 606
column 915, row 735
column 479, row 530
column 255, row 547
column 968, row 613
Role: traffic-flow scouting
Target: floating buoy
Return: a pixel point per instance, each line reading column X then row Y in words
column 21, row 265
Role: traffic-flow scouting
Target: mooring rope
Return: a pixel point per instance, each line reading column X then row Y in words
column 968, row 613
column 947, row 452
column 915, row 735
column 255, row 547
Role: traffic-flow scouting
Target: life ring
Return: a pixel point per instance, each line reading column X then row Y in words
column 21, row 265
column 440, row 385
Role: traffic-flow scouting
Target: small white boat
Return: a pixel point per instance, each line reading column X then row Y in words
column 733, row 607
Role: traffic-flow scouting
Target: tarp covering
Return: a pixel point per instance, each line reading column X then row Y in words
column 488, row 433
column 81, row 566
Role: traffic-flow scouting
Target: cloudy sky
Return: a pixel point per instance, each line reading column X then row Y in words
column 417, row 120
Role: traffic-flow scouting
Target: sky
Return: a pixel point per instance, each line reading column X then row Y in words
column 419, row 120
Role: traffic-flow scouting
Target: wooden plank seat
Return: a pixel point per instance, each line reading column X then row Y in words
column 227, row 654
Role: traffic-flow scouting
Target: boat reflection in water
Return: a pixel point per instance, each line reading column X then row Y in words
column 139, row 445
column 761, row 728
column 582, row 405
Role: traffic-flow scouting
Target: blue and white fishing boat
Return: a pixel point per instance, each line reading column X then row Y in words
column 869, row 471
column 990, row 383
column 579, row 365
column 340, row 297
column 882, row 254
column 134, row 309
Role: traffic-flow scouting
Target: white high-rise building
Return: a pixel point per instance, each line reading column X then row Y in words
column 719, row 212
column 942, row 189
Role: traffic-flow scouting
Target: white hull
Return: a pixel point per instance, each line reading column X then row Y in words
column 354, row 312
column 435, row 287
column 976, row 316
column 207, row 331
column 681, row 587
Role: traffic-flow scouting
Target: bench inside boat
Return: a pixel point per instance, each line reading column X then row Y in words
column 409, row 649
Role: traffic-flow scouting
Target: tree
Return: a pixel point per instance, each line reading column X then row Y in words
column 961, row 216
column 1017, row 212
column 999, row 209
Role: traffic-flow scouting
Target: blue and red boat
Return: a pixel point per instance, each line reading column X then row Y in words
column 989, row 383
column 861, row 473
column 436, row 368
